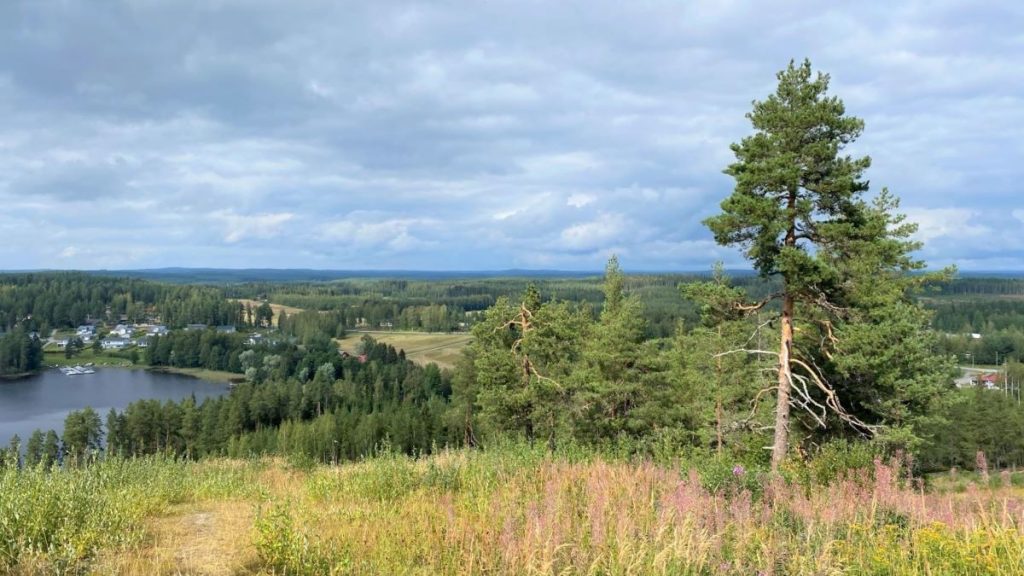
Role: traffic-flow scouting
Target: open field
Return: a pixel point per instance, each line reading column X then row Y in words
column 87, row 355
column 277, row 308
column 442, row 349
column 512, row 510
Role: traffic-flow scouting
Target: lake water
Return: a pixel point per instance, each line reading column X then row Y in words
column 43, row 401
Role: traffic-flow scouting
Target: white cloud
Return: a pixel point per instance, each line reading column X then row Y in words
column 238, row 227
column 368, row 230
column 606, row 229
column 580, row 200
column 935, row 223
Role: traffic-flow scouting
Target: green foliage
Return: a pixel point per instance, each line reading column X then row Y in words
column 83, row 434
column 19, row 352
column 862, row 354
column 286, row 548
column 60, row 518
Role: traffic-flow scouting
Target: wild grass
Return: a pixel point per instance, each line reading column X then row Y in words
column 508, row 510
column 525, row 513
column 57, row 520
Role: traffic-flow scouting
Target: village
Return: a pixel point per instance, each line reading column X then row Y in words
column 121, row 343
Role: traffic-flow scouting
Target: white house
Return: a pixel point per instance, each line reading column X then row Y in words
column 123, row 330
column 115, row 343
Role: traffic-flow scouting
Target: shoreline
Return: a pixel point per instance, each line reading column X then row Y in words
column 21, row 375
column 198, row 373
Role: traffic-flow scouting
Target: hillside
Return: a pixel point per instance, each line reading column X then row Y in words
column 508, row 510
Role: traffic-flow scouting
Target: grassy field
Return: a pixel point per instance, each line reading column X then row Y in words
column 84, row 357
column 277, row 308
column 442, row 349
column 514, row 510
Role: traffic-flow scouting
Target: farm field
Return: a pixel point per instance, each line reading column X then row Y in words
column 442, row 349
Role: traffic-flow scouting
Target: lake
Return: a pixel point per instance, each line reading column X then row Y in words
column 43, row 401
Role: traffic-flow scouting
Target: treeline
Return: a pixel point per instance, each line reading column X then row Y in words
column 982, row 287
column 976, row 420
column 991, row 348
column 442, row 305
column 310, row 324
column 43, row 301
column 980, row 315
column 273, row 359
column 344, row 409
column 19, row 352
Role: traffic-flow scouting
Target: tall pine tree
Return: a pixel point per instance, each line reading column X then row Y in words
column 798, row 213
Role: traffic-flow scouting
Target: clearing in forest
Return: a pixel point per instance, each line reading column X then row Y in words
column 440, row 348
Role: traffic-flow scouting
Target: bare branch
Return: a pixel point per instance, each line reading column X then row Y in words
column 832, row 399
column 748, row 308
column 745, row 351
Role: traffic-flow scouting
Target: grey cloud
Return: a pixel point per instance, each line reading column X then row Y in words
column 394, row 134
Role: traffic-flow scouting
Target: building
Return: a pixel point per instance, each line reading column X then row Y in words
column 195, row 327
column 966, row 381
column 123, row 330
column 990, row 380
column 226, row 329
column 115, row 343
column 158, row 330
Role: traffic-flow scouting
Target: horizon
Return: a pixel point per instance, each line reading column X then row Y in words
column 385, row 136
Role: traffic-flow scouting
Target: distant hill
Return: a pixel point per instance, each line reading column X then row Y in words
column 233, row 275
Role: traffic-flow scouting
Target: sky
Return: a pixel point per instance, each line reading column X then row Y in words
column 477, row 135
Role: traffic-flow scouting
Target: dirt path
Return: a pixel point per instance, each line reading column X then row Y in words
column 209, row 539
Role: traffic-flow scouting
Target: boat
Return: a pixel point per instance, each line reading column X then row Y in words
column 77, row 370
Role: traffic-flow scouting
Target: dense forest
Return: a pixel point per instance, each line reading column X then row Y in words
column 20, row 352
column 44, row 301
column 608, row 378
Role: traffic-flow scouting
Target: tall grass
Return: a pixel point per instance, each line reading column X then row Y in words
column 56, row 520
column 515, row 509
column 518, row 512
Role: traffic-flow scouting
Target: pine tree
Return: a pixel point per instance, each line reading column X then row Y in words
column 798, row 213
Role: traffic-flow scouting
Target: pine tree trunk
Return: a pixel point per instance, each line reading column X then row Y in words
column 718, row 397
column 781, row 444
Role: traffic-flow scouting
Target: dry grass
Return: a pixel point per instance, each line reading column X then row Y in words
column 518, row 510
column 443, row 349
column 212, row 539
column 277, row 308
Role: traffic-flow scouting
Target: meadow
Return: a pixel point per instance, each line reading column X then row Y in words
column 510, row 509
column 443, row 349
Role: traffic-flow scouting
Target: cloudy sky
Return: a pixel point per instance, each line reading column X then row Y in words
column 476, row 135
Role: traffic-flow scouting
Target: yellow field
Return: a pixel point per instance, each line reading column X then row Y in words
column 277, row 308
column 421, row 347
